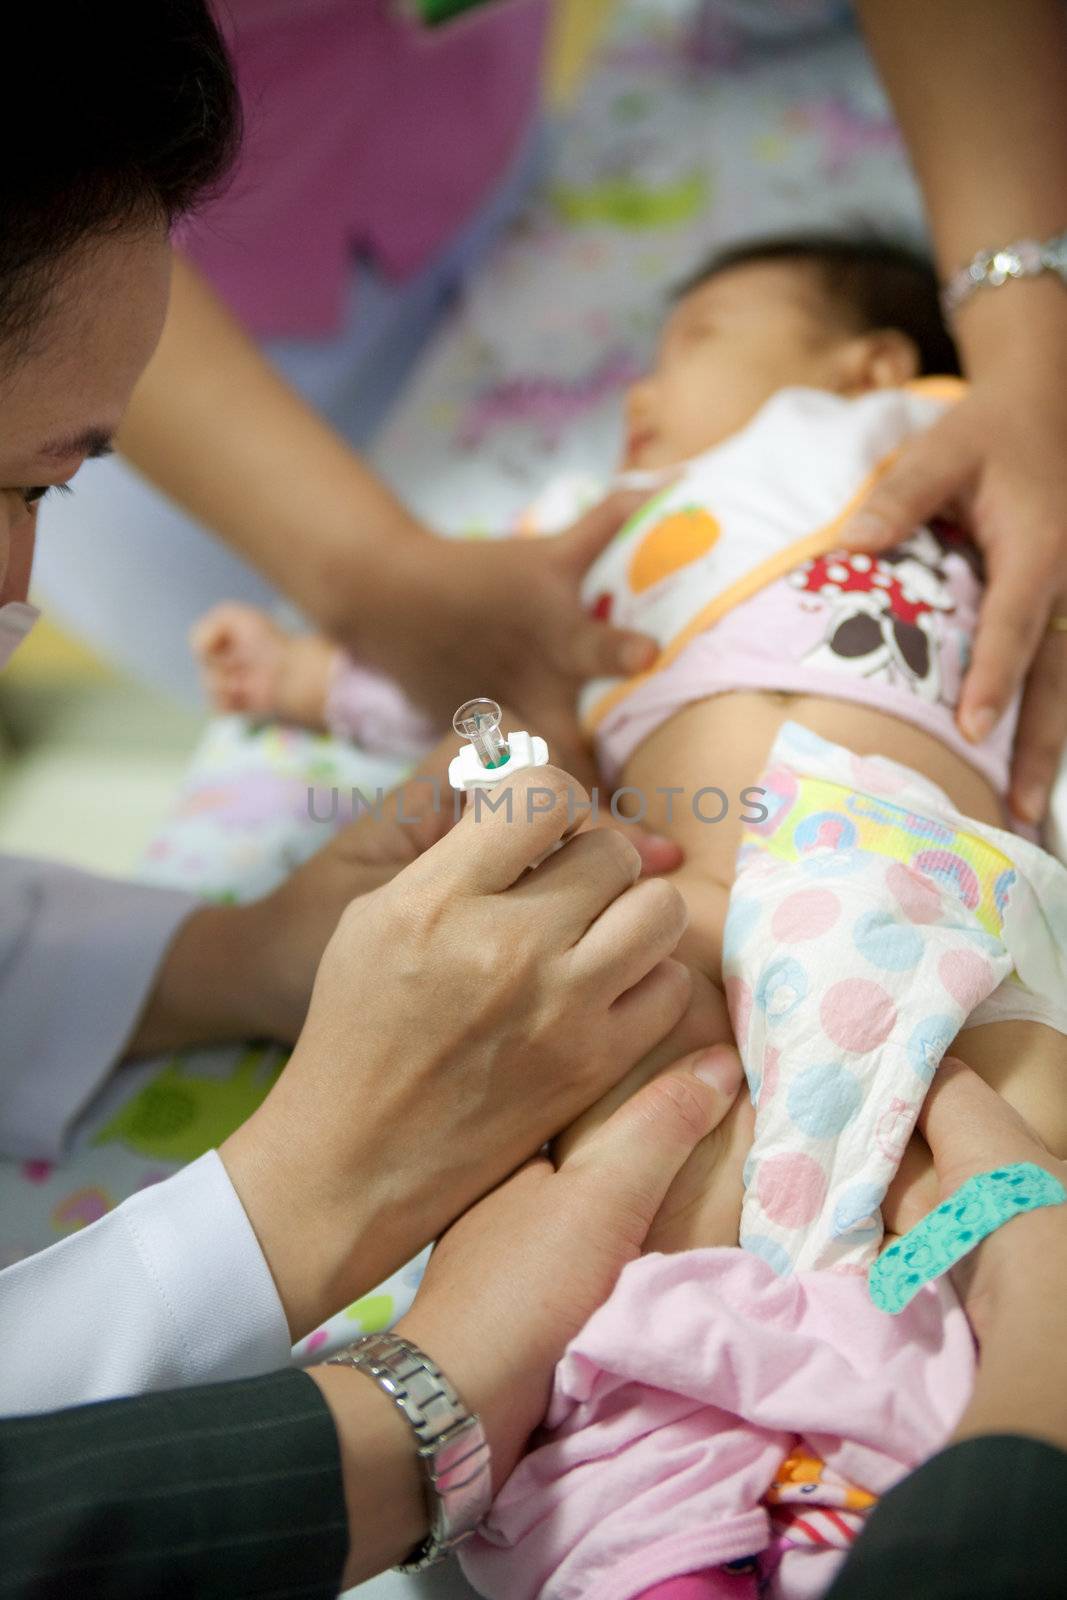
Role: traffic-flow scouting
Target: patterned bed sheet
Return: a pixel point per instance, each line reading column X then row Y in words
column 698, row 124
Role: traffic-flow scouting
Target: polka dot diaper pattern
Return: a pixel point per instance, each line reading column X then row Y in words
column 861, row 934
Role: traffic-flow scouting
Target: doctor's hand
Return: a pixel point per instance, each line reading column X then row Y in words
column 462, row 1014
column 246, row 972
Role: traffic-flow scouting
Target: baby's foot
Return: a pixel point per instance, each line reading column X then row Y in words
column 251, row 665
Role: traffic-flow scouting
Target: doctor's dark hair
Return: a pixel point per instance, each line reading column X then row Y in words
column 873, row 281
column 133, row 117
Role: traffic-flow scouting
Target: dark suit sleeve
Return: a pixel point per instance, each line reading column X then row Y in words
column 221, row 1492
column 981, row 1521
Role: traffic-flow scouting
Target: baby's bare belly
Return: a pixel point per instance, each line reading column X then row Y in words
column 722, row 743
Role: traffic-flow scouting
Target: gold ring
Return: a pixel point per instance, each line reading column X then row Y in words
column 1057, row 625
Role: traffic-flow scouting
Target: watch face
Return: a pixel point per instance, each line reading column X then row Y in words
column 449, row 1439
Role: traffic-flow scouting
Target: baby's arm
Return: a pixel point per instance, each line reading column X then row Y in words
column 252, row 666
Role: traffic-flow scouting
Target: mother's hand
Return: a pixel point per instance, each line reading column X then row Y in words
column 998, row 461
column 506, row 613
column 462, row 1014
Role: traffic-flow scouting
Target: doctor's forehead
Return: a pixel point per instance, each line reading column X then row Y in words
column 24, row 462
column 64, row 389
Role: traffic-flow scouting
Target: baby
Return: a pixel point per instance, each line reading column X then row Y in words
column 796, row 736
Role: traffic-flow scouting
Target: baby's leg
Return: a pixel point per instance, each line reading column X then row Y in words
column 1026, row 1062
column 703, row 1205
column 252, row 666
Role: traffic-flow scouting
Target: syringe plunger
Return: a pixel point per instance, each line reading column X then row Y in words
column 479, row 722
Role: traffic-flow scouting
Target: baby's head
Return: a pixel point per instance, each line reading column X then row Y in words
column 815, row 310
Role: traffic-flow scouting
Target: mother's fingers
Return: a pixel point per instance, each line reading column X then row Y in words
column 1022, row 575
column 925, row 477
column 584, row 540
column 1042, row 728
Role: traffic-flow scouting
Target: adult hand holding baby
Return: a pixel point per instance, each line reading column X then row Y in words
column 988, row 1505
column 511, row 1284
column 996, row 460
column 462, row 1014
column 503, row 612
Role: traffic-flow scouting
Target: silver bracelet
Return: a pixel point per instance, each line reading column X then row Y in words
column 452, row 1446
column 1026, row 258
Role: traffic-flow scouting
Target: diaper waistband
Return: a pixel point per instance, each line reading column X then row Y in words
column 822, row 797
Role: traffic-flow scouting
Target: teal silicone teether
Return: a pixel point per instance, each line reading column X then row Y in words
column 978, row 1208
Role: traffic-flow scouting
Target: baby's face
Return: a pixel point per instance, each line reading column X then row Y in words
column 726, row 348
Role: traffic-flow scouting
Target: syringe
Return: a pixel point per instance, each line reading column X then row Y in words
column 488, row 756
column 479, row 721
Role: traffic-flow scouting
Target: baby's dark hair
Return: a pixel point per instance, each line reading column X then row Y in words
column 881, row 283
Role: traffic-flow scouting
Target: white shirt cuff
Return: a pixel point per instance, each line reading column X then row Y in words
column 170, row 1289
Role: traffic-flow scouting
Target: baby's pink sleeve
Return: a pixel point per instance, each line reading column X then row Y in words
column 371, row 709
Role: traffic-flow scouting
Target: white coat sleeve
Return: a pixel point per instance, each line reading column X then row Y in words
column 169, row 1289
column 78, row 956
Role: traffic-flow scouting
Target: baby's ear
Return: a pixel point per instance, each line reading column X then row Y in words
column 883, row 359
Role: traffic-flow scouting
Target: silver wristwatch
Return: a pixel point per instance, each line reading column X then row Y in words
column 1026, row 258
column 451, row 1442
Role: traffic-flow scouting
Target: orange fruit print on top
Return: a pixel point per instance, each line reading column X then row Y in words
column 679, row 539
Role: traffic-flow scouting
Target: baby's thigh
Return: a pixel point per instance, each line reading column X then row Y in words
column 703, row 1205
column 706, row 1022
column 1026, row 1062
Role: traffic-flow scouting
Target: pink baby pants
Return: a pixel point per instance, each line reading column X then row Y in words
column 675, row 1406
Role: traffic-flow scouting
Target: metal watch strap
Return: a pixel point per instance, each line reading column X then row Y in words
column 451, row 1442
column 1025, row 258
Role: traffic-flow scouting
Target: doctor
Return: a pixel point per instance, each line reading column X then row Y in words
column 460, row 1015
